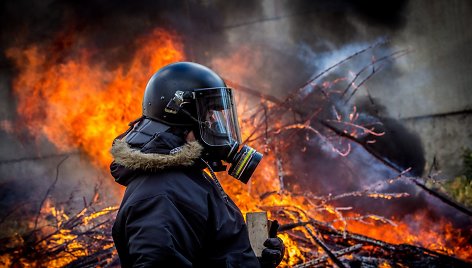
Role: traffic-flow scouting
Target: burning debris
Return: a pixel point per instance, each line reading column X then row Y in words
column 319, row 230
column 60, row 239
column 319, row 111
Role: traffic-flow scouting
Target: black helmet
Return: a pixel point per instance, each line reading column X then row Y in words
column 189, row 95
column 179, row 76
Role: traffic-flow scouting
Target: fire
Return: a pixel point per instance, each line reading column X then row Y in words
column 294, row 253
column 438, row 236
column 81, row 104
column 419, row 229
column 385, row 265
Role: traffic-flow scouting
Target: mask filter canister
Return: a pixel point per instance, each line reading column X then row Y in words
column 244, row 163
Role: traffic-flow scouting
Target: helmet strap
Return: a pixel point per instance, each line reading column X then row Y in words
column 180, row 98
column 189, row 115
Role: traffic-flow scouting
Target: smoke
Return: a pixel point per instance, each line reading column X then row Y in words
column 111, row 27
column 342, row 22
column 271, row 46
column 209, row 29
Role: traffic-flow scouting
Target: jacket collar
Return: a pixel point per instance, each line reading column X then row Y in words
column 134, row 159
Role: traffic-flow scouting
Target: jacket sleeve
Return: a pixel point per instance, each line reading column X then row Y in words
column 160, row 234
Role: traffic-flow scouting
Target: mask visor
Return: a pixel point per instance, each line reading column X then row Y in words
column 217, row 115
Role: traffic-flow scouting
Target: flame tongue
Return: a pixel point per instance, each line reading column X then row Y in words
column 81, row 104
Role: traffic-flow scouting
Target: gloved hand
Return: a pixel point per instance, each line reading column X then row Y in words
column 274, row 252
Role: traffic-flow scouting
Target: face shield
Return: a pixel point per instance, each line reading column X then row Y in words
column 216, row 112
column 218, row 130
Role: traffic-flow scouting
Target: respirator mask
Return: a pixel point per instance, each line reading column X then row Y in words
column 218, row 130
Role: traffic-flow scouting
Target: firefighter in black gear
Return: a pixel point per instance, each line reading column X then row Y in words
column 174, row 211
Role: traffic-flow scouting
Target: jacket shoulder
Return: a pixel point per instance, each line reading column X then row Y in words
column 186, row 187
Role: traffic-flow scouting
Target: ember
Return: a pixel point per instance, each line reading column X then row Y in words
column 74, row 101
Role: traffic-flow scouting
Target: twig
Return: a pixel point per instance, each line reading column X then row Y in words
column 343, row 61
column 393, row 166
column 51, row 187
column 324, row 258
column 254, row 92
column 373, row 63
column 325, row 248
column 289, row 226
column 15, row 208
column 36, row 158
column 364, row 129
column 442, row 197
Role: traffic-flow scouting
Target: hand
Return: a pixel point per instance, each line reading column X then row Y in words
column 273, row 254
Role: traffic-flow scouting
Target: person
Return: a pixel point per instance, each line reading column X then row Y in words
column 174, row 212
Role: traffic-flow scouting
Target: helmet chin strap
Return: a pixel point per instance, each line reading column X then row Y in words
column 191, row 116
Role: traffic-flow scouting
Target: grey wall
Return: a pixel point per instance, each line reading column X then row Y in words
column 429, row 89
column 434, row 94
column 444, row 138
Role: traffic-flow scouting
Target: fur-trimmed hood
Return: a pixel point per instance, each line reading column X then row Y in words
column 183, row 156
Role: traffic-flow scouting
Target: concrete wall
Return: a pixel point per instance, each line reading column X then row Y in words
column 433, row 80
column 437, row 81
column 444, row 139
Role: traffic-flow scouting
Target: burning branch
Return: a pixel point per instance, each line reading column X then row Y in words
column 323, row 259
column 57, row 239
column 441, row 197
column 297, row 220
column 325, row 248
column 51, row 187
column 374, row 251
column 393, row 166
column 317, row 226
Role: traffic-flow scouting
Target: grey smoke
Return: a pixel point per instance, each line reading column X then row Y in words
column 297, row 39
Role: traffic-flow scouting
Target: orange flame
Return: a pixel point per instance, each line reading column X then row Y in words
column 80, row 104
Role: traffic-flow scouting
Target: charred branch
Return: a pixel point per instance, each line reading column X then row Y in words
column 373, row 251
column 393, row 166
column 79, row 240
column 355, row 87
column 442, row 197
column 38, row 158
column 322, row 245
column 323, row 259
column 428, row 116
column 51, row 187
column 256, row 93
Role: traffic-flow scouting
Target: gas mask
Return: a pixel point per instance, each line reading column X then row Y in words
column 218, row 130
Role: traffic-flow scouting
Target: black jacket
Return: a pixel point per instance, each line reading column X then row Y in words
column 172, row 214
